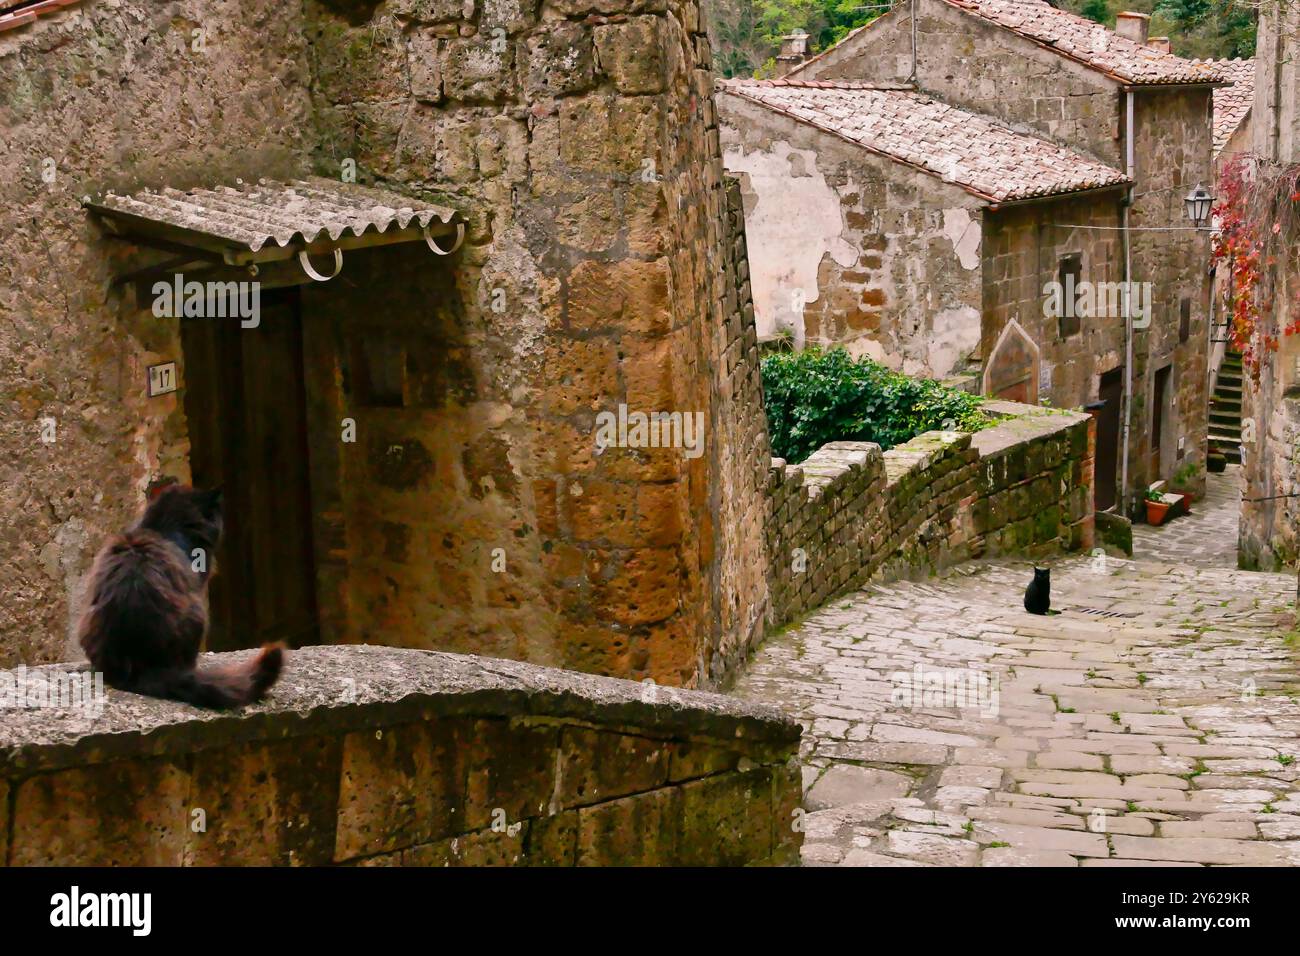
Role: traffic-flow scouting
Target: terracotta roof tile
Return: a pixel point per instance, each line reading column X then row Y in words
column 973, row 151
column 1231, row 103
column 14, row 15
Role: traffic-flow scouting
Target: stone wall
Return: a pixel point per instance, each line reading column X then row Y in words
column 983, row 67
column 473, row 512
column 580, row 145
column 1270, row 519
column 1173, row 146
column 741, row 602
column 1022, row 249
column 850, row 514
column 385, row 757
column 98, row 96
column 851, row 248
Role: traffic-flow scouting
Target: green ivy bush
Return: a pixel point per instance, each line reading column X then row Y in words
column 818, row 396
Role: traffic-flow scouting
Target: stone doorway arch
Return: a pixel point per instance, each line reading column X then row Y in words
column 1013, row 366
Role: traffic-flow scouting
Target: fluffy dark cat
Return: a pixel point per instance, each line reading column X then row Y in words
column 1038, row 596
column 146, row 611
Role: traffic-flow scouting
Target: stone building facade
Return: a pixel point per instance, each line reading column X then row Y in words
column 1072, row 82
column 924, row 236
column 1270, row 509
column 473, row 509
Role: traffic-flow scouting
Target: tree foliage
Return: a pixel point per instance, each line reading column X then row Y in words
column 747, row 33
column 1197, row 29
column 816, row 396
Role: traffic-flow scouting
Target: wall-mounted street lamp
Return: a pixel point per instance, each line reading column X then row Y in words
column 1198, row 203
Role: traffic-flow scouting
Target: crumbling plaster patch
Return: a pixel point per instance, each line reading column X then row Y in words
column 964, row 234
column 793, row 220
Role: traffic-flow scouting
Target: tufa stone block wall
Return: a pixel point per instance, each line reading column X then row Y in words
column 581, row 143
column 850, row 514
column 741, row 603
column 1173, row 155
column 1270, row 516
column 599, row 270
column 386, row 757
column 1022, row 251
column 101, row 96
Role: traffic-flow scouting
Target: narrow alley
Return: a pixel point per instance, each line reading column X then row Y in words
column 1153, row 721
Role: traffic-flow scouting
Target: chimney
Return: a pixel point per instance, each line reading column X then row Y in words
column 1160, row 43
column 1133, row 26
column 794, row 50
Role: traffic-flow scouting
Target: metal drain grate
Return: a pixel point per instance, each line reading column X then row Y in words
column 1098, row 612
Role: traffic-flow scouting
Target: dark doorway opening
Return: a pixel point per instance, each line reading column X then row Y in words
column 1111, row 394
column 246, row 404
column 1159, row 401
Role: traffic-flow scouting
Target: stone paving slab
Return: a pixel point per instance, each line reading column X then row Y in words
column 1155, row 721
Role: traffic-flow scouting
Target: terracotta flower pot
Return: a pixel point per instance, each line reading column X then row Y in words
column 1157, row 511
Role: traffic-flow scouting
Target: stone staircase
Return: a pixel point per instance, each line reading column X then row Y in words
column 1225, row 408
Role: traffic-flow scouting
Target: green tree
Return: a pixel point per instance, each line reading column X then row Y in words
column 1097, row 10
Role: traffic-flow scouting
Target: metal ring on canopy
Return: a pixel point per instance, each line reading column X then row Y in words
column 307, row 266
column 460, row 237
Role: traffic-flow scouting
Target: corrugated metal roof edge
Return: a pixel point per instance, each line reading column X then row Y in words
column 119, row 206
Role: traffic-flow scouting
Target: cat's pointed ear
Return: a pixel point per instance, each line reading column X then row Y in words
column 158, row 486
column 213, row 500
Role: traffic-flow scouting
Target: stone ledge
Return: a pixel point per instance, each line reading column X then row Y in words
column 336, row 689
column 1021, row 423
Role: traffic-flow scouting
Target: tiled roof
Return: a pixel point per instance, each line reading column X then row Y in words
column 976, row 152
column 1232, row 103
column 14, row 15
column 248, row 216
column 1084, row 41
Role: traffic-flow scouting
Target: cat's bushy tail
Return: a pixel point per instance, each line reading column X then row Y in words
column 218, row 687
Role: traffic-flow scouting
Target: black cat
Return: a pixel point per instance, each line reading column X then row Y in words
column 1038, row 596
column 146, row 612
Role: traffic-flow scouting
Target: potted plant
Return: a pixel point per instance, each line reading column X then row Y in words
column 1157, row 508
column 1182, row 484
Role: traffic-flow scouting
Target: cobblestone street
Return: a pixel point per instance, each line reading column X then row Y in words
column 1153, row 722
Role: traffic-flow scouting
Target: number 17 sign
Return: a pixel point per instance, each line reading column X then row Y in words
column 162, row 379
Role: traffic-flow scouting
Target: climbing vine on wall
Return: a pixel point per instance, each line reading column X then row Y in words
column 1258, row 218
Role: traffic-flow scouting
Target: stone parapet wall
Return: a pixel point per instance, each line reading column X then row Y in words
column 744, row 452
column 850, row 514
column 389, row 757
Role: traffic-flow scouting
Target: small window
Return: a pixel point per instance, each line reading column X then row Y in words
column 1069, row 274
column 1184, row 320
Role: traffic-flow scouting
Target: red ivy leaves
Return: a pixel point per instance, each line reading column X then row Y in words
column 1240, row 244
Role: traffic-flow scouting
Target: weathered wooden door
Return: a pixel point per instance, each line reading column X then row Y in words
column 1159, row 399
column 245, row 401
column 1105, row 478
